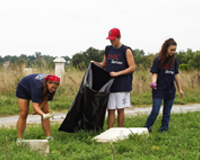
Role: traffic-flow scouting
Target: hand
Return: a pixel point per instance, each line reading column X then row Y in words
column 113, row 74
column 92, row 61
column 153, row 85
column 48, row 115
column 181, row 93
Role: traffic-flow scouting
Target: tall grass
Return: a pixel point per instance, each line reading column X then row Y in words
column 189, row 80
column 71, row 81
column 140, row 95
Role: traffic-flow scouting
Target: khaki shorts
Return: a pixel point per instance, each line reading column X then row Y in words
column 119, row 100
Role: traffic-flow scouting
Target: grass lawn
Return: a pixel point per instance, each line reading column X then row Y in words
column 62, row 102
column 181, row 142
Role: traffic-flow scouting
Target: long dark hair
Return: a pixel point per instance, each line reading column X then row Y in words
column 46, row 95
column 163, row 53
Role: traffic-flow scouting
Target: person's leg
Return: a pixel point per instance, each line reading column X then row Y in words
column 122, row 101
column 154, row 113
column 46, row 122
column 111, row 118
column 120, row 117
column 21, row 123
column 166, row 114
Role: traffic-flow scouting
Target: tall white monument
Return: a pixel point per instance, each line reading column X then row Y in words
column 60, row 68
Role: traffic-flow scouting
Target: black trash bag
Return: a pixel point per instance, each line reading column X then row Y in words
column 88, row 109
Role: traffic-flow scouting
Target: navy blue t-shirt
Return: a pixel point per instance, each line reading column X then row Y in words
column 33, row 86
column 116, row 61
column 165, row 82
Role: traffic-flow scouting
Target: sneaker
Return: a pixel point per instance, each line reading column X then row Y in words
column 149, row 129
column 162, row 130
column 19, row 141
column 48, row 115
column 50, row 138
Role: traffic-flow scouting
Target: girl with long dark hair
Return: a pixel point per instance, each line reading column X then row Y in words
column 164, row 72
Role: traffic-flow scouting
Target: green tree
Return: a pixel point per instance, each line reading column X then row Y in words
column 78, row 61
column 82, row 59
column 196, row 61
column 141, row 60
column 182, row 57
column 67, row 59
column 37, row 54
column 13, row 59
column 183, row 66
column 23, row 56
column 1, row 60
column 20, row 61
column 7, row 58
column 93, row 54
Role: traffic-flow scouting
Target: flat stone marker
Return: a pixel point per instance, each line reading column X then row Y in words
column 36, row 145
column 119, row 133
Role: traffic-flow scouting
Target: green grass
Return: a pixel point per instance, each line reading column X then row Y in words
column 181, row 142
column 63, row 101
column 191, row 96
column 8, row 105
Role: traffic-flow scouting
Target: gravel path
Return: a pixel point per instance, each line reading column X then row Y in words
column 59, row 117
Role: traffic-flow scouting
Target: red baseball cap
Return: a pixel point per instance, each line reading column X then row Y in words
column 113, row 33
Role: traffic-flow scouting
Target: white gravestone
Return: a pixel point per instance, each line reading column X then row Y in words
column 120, row 133
column 41, row 146
column 60, row 67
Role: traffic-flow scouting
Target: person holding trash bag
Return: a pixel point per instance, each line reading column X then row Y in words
column 164, row 72
column 119, row 62
column 40, row 88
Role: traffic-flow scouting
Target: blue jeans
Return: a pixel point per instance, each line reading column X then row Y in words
column 168, row 103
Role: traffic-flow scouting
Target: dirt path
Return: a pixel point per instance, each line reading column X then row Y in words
column 59, row 117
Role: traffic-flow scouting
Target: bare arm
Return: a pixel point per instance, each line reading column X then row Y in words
column 131, row 64
column 101, row 64
column 154, row 77
column 38, row 108
column 177, row 80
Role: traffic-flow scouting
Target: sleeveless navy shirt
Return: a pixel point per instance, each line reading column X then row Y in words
column 116, row 61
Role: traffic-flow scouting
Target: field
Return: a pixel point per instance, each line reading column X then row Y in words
column 140, row 95
column 181, row 142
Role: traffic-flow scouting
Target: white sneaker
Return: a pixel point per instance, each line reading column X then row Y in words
column 48, row 115
column 19, row 141
column 49, row 138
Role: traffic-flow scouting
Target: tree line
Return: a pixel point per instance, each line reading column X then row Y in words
column 37, row 60
column 187, row 60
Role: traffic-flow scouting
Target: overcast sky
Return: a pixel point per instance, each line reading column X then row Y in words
column 66, row 27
